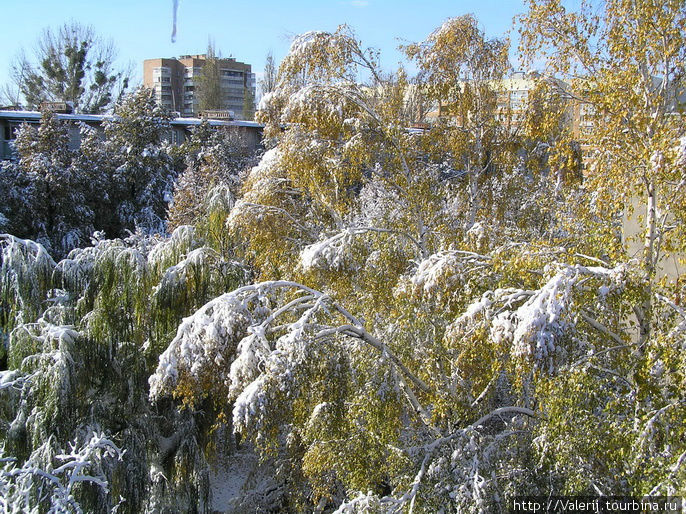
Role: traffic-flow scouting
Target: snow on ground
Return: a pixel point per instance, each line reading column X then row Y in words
column 240, row 483
column 228, row 478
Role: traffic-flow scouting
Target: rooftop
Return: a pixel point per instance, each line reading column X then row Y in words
column 99, row 118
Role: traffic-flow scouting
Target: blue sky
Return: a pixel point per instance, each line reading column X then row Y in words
column 246, row 30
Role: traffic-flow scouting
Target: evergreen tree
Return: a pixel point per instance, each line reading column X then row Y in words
column 139, row 166
column 45, row 197
column 214, row 159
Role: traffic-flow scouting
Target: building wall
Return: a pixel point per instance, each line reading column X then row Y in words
column 633, row 233
column 165, row 78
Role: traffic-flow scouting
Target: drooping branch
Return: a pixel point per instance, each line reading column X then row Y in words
column 409, row 496
column 191, row 348
column 17, row 483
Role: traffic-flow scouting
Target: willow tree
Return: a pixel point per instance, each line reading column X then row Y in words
column 381, row 361
column 81, row 337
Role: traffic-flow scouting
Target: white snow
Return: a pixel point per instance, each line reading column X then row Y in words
column 332, row 253
column 206, row 340
column 229, row 478
column 443, row 270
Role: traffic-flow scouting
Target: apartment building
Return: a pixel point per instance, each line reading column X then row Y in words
column 174, row 81
column 512, row 96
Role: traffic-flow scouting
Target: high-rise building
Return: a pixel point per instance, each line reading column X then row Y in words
column 174, row 83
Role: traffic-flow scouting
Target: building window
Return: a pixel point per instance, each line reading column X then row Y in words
column 231, row 73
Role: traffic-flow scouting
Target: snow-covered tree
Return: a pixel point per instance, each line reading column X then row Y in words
column 118, row 181
column 78, row 360
column 138, row 165
column 344, row 161
column 27, row 488
column 380, row 335
column 44, row 193
column 461, row 70
column 214, row 159
column 627, row 61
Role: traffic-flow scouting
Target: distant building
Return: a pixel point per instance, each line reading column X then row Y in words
column 174, row 83
column 512, row 96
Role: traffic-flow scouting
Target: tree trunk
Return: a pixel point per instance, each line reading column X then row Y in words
column 643, row 313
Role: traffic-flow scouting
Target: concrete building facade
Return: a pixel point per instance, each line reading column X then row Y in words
column 174, row 82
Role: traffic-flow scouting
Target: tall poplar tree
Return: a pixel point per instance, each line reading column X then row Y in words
column 268, row 81
column 208, row 83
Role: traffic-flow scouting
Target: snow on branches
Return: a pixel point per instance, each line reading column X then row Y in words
column 535, row 329
column 241, row 341
column 30, row 487
column 13, row 379
column 24, row 274
column 333, row 253
column 78, row 336
column 203, row 341
column 444, row 270
column 455, row 466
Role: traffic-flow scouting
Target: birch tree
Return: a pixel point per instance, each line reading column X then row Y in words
column 343, row 138
column 626, row 61
column 461, row 69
